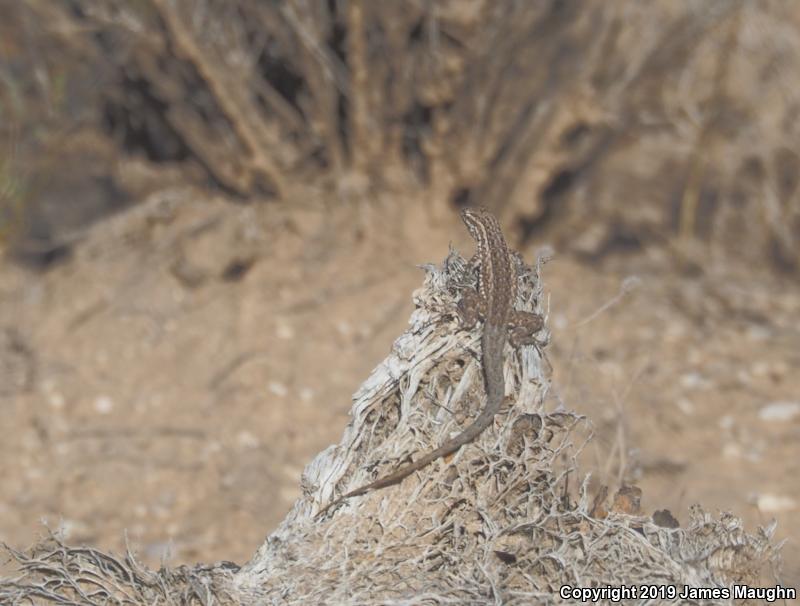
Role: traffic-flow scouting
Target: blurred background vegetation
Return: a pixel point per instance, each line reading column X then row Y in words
column 666, row 127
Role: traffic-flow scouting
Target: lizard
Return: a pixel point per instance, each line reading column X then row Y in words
column 494, row 302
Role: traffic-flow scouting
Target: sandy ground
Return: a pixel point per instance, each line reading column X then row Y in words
column 168, row 383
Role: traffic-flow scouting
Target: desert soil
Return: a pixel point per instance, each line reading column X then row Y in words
column 166, row 385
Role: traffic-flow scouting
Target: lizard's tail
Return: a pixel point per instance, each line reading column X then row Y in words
column 492, row 345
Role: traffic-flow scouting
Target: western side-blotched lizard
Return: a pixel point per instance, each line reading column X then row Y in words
column 494, row 302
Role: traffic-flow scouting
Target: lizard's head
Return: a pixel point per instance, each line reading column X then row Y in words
column 477, row 219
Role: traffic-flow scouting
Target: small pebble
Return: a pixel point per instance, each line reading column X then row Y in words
column 245, row 439
column 345, row 328
column 284, row 331
column 772, row 503
column 103, row 405
column 779, row 411
column 278, row 389
column 559, row 321
column 56, row 400
column 693, row 380
column 731, row 451
column 68, row 528
column 726, row 422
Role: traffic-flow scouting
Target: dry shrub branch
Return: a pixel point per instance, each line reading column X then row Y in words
column 613, row 125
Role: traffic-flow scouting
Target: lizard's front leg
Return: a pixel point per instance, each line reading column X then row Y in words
column 471, row 308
